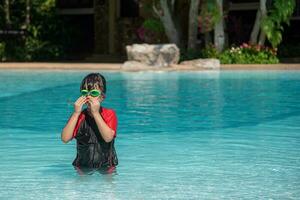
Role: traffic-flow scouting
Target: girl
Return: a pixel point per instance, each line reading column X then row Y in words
column 93, row 128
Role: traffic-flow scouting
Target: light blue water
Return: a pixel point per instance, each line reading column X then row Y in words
column 198, row 135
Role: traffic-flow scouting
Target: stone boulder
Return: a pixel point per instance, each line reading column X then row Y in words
column 135, row 65
column 207, row 63
column 150, row 56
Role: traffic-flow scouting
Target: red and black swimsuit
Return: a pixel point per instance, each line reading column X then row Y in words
column 92, row 151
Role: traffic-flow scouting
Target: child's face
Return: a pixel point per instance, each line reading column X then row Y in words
column 91, row 94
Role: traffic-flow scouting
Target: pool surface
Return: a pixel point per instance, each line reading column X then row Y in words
column 181, row 135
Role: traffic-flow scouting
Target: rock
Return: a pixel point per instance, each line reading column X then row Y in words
column 208, row 63
column 134, row 65
column 159, row 55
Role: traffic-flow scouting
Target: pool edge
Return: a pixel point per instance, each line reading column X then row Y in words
column 117, row 67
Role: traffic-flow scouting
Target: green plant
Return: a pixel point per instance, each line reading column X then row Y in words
column 153, row 25
column 190, row 54
column 209, row 15
column 210, row 52
column 272, row 24
column 244, row 54
column 249, row 54
column 151, row 31
column 38, row 49
column 46, row 36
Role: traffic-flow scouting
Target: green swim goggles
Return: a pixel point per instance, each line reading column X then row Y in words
column 93, row 93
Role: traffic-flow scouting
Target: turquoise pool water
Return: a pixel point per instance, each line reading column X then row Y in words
column 181, row 135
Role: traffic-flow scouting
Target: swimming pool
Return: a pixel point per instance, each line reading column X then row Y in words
column 181, row 135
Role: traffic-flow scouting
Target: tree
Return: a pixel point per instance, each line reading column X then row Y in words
column 257, row 35
column 7, row 13
column 208, row 17
column 165, row 15
column 281, row 12
column 27, row 20
column 193, row 23
column 219, row 35
column 268, row 23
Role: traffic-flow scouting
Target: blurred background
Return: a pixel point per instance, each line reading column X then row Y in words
column 99, row 30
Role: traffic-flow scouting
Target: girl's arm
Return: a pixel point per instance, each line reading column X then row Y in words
column 106, row 132
column 67, row 132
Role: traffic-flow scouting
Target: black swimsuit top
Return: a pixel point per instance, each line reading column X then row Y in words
column 92, row 150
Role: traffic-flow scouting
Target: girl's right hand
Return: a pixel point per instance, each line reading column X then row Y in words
column 79, row 103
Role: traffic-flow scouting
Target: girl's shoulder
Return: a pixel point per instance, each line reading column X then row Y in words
column 107, row 111
column 110, row 117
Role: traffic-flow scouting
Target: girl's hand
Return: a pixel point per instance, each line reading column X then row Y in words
column 79, row 103
column 94, row 105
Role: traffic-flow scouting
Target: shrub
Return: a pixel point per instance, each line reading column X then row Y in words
column 244, row 54
column 30, row 48
column 249, row 54
column 45, row 38
column 210, row 52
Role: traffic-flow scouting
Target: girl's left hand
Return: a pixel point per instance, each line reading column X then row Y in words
column 95, row 105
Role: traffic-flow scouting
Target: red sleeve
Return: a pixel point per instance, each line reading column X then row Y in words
column 110, row 118
column 80, row 119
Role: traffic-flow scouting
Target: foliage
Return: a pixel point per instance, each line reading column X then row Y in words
column 151, row 31
column 272, row 24
column 153, row 25
column 210, row 52
column 36, row 49
column 46, row 35
column 209, row 16
column 249, row 54
column 244, row 54
column 190, row 54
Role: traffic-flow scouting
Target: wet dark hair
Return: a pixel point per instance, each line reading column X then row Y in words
column 92, row 81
